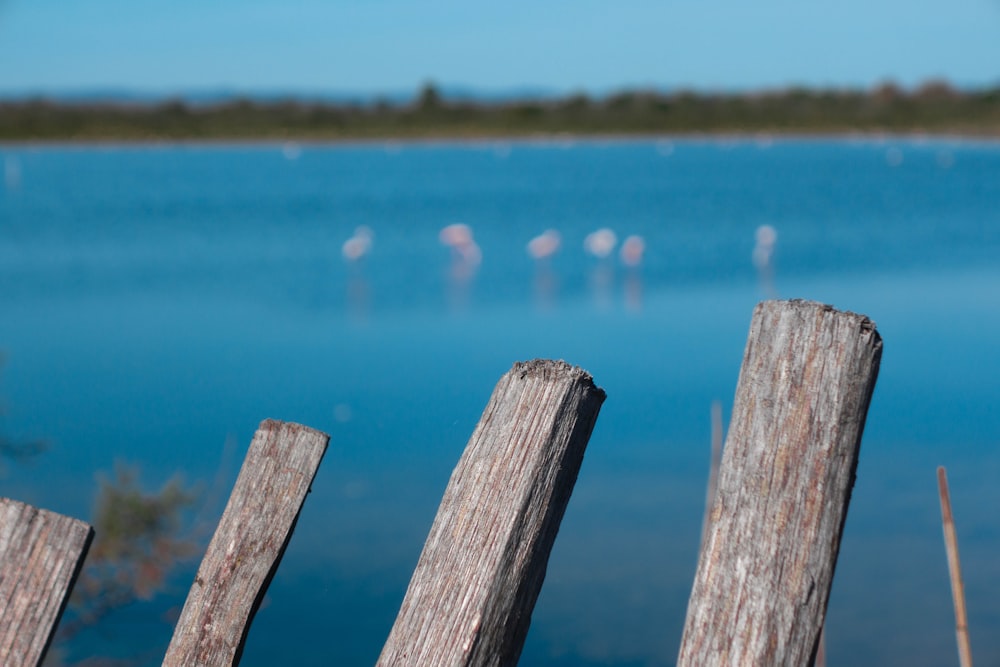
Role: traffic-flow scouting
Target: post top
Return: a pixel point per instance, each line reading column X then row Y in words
column 805, row 305
column 270, row 424
column 551, row 369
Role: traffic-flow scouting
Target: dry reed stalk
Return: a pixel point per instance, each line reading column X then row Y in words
column 821, row 650
column 955, row 570
column 713, row 471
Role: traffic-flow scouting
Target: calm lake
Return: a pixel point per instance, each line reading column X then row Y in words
column 156, row 303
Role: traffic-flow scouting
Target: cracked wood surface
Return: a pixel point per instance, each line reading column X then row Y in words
column 766, row 567
column 247, row 546
column 474, row 588
column 41, row 553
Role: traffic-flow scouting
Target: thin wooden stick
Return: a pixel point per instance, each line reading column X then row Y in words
column 713, row 470
column 955, row 570
column 247, row 546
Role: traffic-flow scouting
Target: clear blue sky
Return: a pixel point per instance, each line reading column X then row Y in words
column 387, row 46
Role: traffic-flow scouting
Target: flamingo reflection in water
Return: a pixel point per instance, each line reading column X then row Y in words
column 601, row 244
column 466, row 257
column 541, row 249
column 354, row 250
column 631, row 254
column 766, row 238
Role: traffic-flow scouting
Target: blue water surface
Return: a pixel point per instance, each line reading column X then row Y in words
column 158, row 302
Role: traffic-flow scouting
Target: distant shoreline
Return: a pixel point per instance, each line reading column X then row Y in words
column 492, row 141
column 934, row 109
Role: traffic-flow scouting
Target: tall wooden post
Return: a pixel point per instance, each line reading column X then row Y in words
column 765, row 570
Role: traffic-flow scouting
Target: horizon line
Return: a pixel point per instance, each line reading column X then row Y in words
column 447, row 91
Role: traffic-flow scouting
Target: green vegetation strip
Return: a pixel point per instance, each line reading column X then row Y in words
column 933, row 108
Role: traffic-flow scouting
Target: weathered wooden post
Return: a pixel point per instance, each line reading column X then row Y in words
column 471, row 597
column 247, row 546
column 764, row 574
column 41, row 553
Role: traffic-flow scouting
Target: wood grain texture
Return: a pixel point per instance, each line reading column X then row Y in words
column 764, row 573
column 41, row 554
column 247, row 546
column 474, row 588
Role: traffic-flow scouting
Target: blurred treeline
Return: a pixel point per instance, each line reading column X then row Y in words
column 934, row 107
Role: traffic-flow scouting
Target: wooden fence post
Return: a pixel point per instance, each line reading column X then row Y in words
column 41, row 553
column 764, row 573
column 247, row 546
column 474, row 588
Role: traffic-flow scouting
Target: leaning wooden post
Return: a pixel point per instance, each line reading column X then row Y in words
column 764, row 574
column 471, row 596
column 41, row 553
column 247, row 546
